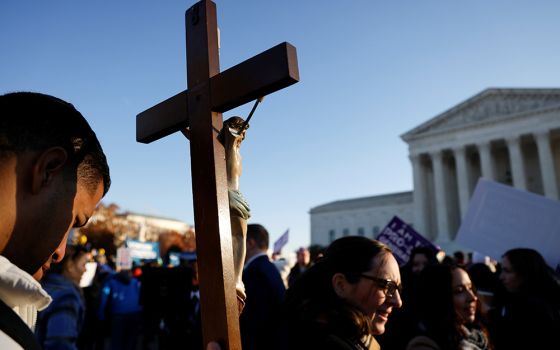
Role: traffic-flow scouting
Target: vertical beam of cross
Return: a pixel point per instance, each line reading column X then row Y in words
column 209, row 179
column 211, row 92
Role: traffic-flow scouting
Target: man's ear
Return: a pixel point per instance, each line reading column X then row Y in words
column 249, row 243
column 48, row 164
column 339, row 284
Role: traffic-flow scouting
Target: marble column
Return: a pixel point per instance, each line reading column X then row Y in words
column 486, row 164
column 462, row 179
column 421, row 211
column 441, row 198
column 546, row 161
column 516, row 162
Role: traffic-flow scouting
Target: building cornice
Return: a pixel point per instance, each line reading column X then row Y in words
column 474, row 118
column 484, row 124
column 364, row 202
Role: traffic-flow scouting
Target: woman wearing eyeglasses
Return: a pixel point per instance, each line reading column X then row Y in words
column 345, row 299
column 448, row 317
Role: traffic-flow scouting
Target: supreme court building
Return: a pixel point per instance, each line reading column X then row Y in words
column 511, row 136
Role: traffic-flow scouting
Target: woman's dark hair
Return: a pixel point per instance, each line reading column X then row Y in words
column 537, row 277
column 312, row 297
column 436, row 311
column 483, row 278
column 428, row 252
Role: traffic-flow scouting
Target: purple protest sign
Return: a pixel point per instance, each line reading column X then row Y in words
column 402, row 239
column 281, row 242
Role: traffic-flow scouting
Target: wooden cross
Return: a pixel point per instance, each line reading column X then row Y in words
column 200, row 109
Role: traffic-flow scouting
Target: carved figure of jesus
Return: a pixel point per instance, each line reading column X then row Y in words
column 231, row 136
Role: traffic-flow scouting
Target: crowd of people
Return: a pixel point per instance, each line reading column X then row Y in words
column 510, row 304
column 351, row 295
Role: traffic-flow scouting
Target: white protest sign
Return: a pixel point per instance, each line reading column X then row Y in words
column 501, row 217
column 89, row 274
column 124, row 260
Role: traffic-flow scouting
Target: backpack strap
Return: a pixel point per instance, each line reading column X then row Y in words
column 15, row 328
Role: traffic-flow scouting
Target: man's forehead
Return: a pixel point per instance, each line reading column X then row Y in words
column 87, row 199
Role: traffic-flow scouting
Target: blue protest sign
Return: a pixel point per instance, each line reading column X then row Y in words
column 142, row 250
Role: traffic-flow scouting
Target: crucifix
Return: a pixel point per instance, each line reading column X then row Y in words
column 199, row 109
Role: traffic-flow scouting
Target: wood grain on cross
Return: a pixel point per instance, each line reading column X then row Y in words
column 200, row 108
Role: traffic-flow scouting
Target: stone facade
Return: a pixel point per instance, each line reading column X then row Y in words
column 511, row 136
column 360, row 216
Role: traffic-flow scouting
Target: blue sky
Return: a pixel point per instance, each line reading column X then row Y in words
column 370, row 71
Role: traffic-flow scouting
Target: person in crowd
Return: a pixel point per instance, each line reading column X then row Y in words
column 192, row 334
column 403, row 321
column 53, row 172
column 265, row 293
column 448, row 260
column 92, row 336
column 345, row 298
column 420, row 257
column 283, row 267
column 60, row 324
column 448, row 311
column 529, row 315
column 303, row 262
column 484, row 259
column 120, row 306
column 460, row 258
column 316, row 251
column 177, row 290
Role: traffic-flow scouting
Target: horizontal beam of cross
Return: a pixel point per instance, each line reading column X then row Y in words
column 169, row 116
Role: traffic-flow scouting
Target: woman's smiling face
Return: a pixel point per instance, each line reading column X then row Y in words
column 464, row 296
column 370, row 297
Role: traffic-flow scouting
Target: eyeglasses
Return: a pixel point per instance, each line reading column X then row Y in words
column 389, row 287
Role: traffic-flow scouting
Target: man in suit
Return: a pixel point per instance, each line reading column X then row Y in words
column 265, row 293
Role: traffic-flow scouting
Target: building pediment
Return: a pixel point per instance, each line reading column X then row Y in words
column 491, row 105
